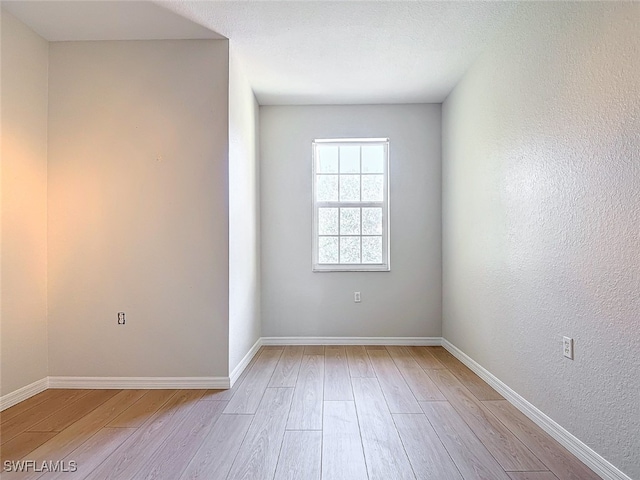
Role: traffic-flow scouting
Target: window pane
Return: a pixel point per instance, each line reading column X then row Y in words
column 327, row 221
column 349, row 249
column 349, row 221
column 371, row 249
column 328, row 250
column 350, row 159
column 372, row 188
column 372, row 221
column 327, row 188
column 351, row 201
column 373, row 159
column 349, row 188
column 327, row 159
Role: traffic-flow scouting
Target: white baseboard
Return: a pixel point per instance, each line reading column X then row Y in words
column 244, row 362
column 420, row 341
column 17, row 396
column 581, row 450
column 139, row 382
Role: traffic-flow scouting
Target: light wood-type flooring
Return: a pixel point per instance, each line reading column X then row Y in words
column 299, row 413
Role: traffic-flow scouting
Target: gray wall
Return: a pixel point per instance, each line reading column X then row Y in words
column 244, row 217
column 541, row 209
column 403, row 302
column 24, row 206
column 138, row 208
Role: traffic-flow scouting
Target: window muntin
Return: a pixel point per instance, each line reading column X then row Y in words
column 351, row 205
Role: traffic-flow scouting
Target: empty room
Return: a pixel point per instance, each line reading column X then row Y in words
column 320, row 240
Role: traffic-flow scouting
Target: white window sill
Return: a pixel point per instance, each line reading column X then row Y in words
column 350, row 268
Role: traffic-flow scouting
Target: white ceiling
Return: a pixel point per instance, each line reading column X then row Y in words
column 304, row 52
column 104, row 20
column 310, row 52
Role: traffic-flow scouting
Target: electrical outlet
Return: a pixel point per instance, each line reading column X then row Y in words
column 356, row 297
column 121, row 319
column 567, row 347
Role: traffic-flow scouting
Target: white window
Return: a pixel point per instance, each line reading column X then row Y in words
column 351, row 205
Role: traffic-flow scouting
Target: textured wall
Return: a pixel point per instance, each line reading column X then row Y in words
column 541, row 209
column 24, row 206
column 244, row 216
column 138, row 208
column 403, row 302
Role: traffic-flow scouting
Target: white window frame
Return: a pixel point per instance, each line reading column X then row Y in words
column 385, row 266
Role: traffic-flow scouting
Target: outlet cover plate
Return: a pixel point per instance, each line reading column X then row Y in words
column 567, row 347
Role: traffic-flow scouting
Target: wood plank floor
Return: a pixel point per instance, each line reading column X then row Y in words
column 303, row 413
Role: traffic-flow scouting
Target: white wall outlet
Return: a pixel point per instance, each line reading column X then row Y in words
column 356, row 297
column 121, row 319
column 567, row 347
